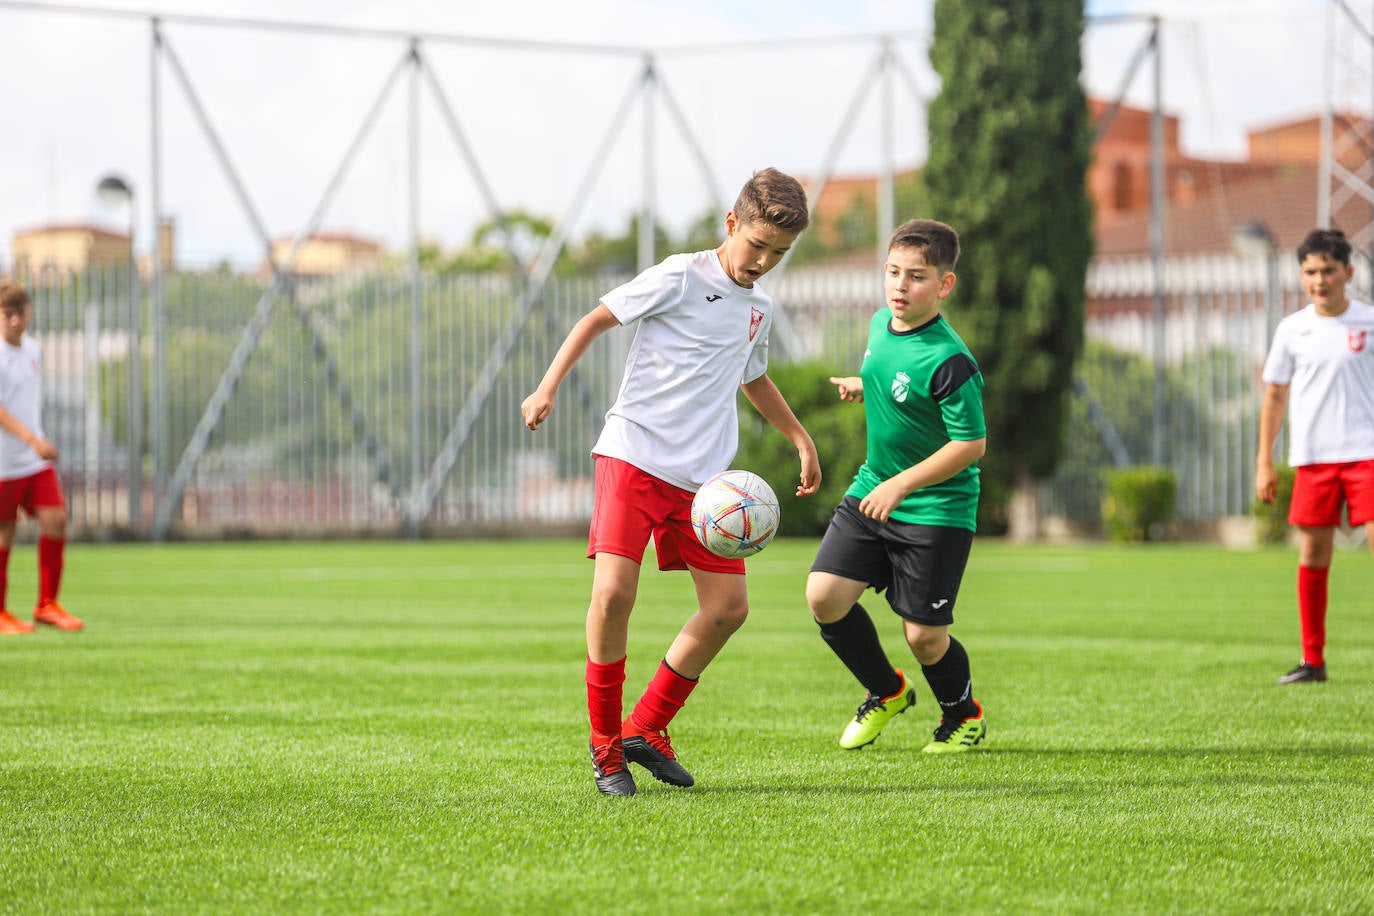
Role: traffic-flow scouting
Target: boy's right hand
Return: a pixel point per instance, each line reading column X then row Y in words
column 1266, row 483
column 536, row 409
column 851, row 387
column 45, row 449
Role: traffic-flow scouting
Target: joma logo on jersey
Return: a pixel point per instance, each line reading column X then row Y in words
column 1356, row 339
column 901, row 387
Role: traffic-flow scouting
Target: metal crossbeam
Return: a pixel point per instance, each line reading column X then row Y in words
column 252, row 333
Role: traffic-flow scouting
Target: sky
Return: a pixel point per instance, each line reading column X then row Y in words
column 549, row 104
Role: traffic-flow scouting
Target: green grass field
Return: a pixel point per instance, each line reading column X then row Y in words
column 396, row 727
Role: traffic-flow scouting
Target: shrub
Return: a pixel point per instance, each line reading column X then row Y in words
column 837, row 428
column 1140, row 500
column 1271, row 519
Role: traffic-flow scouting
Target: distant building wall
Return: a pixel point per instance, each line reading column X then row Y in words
column 72, row 248
column 65, row 249
column 325, row 255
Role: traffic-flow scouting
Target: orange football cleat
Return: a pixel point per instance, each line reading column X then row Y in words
column 11, row 625
column 53, row 614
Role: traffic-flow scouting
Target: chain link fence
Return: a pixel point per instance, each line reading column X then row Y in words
column 349, row 418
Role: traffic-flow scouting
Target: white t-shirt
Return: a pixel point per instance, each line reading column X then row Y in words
column 699, row 337
column 1329, row 364
column 21, row 393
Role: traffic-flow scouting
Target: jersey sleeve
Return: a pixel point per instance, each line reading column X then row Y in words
column 6, row 391
column 957, row 386
column 655, row 290
column 1278, row 365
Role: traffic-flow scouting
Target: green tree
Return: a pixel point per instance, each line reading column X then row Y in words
column 909, row 196
column 858, row 226
column 600, row 253
column 706, row 231
column 1010, row 142
column 838, row 426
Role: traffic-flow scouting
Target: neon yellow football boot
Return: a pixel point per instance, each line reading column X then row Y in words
column 953, row 736
column 875, row 712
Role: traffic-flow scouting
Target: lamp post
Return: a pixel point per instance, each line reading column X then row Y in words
column 1253, row 237
column 116, row 191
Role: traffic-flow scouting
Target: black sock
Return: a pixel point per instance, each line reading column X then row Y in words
column 951, row 683
column 855, row 640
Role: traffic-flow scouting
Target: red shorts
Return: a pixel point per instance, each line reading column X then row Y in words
column 1319, row 491
column 632, row 505
column 30, row 493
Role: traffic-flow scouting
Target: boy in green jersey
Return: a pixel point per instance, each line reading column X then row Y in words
column 906, row 523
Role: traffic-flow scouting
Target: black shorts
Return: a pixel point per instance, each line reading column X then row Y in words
column 921, row 566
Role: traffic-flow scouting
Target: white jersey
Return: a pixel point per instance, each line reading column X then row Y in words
column 699, row 337
column 21, row 393
column 1329, row 364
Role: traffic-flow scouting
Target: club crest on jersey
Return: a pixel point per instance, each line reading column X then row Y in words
column 1356, row 339
column 755, row 319
column 901, row 387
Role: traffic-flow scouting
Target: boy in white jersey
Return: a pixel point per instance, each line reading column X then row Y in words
column 702, row 336
column 27, row 477
column 1320, row 370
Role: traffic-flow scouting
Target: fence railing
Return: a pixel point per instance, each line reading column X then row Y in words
column 344, row 404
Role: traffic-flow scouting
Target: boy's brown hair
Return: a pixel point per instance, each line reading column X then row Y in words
column 1330, row 242
column 13, row 297
column 773, row 197
column 936, row 241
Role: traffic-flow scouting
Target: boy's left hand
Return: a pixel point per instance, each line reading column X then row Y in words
column 882, row 500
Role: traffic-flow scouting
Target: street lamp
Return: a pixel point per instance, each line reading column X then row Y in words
column 116, row 191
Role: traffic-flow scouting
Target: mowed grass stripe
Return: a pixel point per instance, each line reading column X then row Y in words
column 400, row 727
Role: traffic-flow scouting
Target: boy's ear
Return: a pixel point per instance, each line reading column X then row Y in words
column 947, row 281
column 731, row 222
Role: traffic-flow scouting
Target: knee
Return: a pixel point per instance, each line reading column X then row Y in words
column 611, row 602
column 1316, row 547
column 52, row 521
column 824, row 607
column 729, row 617
column 928, row 646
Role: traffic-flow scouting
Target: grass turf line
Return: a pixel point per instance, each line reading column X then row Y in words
column 393, row 727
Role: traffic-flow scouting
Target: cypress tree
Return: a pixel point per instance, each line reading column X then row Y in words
column 1010, row 143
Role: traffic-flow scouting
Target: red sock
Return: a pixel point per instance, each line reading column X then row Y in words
column 4, row 574
column 49, row 568
column 1312, row 612
column 664, row 696
column 605, row 685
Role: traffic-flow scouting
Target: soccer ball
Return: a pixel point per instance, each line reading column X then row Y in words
column 735, row 514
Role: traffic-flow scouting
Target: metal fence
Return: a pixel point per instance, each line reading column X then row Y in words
column 363, row 405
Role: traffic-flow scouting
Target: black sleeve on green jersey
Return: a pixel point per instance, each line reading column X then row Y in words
column 952, row 373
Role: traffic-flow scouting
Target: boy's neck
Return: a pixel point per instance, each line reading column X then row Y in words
column 1331, row 308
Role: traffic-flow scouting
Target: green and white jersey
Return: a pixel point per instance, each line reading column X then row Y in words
column 922, row 389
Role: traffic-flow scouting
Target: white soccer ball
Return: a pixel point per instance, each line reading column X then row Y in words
column 735, row 514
